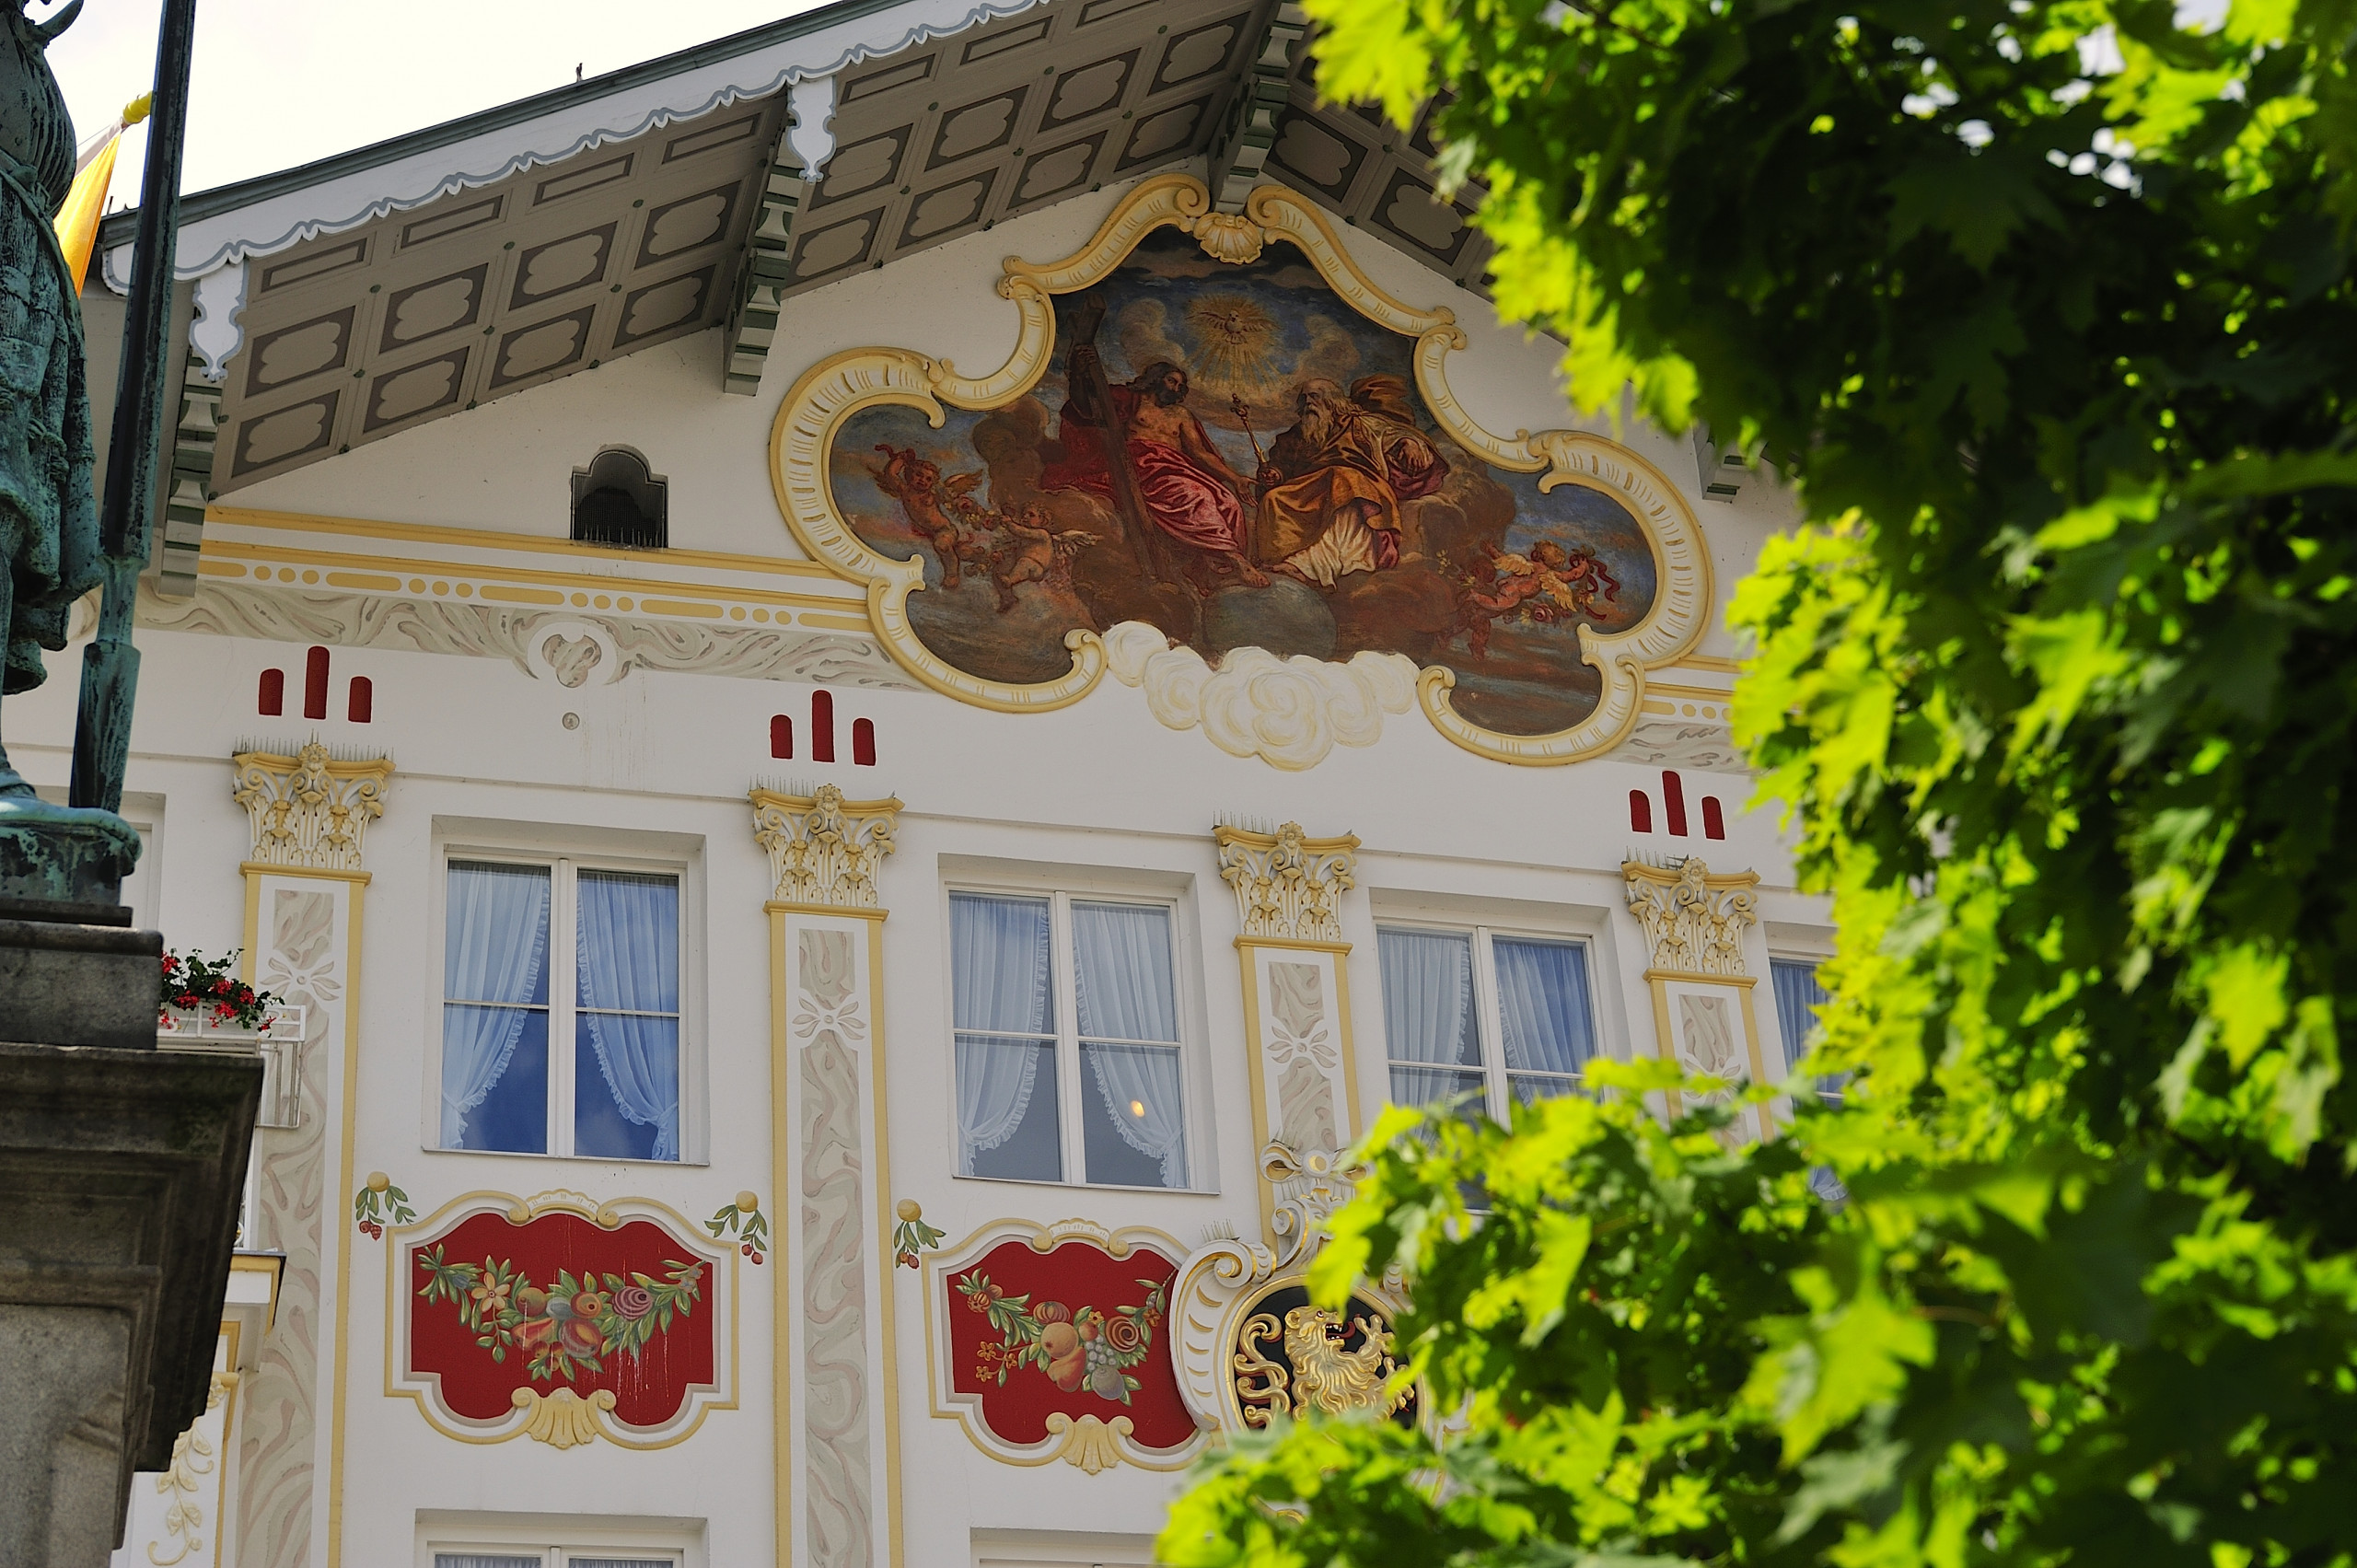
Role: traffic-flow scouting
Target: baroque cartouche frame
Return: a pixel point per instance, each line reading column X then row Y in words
column 835, row 389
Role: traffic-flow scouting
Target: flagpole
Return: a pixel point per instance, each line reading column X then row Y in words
column 111, row 664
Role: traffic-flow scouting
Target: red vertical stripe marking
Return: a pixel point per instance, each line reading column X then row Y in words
column 1714, row 826
column 315, row 684
column 1640, row 812
column 862, row 742
column 362, row 703
column 822, row 727
column 781, row 735
column 1673, row 802
column 271, row 701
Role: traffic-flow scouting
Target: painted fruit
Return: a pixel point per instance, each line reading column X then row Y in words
column 531, row 1301
column 1106, row 1383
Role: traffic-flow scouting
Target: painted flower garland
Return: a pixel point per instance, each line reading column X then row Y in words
column 1077, row 1349
column 568, row 1326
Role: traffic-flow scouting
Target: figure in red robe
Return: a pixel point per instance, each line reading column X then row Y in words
column 1185, row 490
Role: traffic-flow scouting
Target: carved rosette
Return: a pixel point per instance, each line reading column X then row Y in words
column 825, row 852
column 1693, row 922
column 310, row 810
column 1287, row 885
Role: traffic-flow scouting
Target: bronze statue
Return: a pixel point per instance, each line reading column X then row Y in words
column 49, row 523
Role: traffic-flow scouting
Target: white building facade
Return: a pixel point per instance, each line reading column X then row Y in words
column 850, row 869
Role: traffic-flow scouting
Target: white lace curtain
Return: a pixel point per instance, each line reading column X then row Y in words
column 494, row 958
column 628, row 949
column 1543, row 1010
column 1122, row 972
column 999, row 985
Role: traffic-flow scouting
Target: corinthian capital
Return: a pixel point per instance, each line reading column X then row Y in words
column 824, row 851
column 1287, row 886
column 310, row 810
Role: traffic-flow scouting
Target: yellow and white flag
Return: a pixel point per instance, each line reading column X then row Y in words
column 77, row 220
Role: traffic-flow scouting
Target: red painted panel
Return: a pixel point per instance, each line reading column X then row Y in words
column 1034, row 1334
column 781, row 735
column 1715, row 825
column 863, row 743
column 315, row 684
column 271, row 701
column 822, row 727
column 559, row 1290
column 1640, row 812
column 362, row 703
column 1673, row 802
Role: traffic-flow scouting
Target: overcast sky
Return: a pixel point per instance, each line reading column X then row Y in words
column 278, row 83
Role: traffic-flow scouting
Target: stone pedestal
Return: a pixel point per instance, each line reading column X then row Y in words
column 120, row 1173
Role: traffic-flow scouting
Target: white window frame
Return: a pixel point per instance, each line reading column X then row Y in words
column 566, row 860
column 1061, row 892
column 554, row 1538
column 1489, row 1029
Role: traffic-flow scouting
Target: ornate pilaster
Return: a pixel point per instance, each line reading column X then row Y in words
column 306, row 880
column 837, row 1433
column 1694, row 925
column 310, row 810
column 1296, row 1018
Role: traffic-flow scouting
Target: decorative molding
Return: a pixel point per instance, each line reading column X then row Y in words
column 194, row 1457
column 1287, row 885
column 841, row 386
column 1309, row 1186
column 564, row 1419
column 810, row 104
column 309, row 810
column 1693, row 922
column 215, row 336
column 1242, row 149
column 1318, row 1374
column 1092, row 1445
column 1288, row 712
column 191, row 488
column 1092, row 1442
column 764, row 271
column 1217, row 1327
column 825, row 852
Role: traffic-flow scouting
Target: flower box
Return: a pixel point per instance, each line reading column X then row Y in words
column 277, row 1040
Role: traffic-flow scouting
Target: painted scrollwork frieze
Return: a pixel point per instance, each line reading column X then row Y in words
column 1288, row 886
column 825, row 852
column 1693, row 922
column 310, row 810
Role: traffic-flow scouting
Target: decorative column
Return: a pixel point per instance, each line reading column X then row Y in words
column 1694, row 924
column 310, row 814
column 838, row 1406
column 1296, row 1019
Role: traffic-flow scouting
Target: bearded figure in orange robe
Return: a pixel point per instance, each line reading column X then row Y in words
column 1331, row 486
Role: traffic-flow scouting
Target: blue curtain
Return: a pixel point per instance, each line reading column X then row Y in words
column 999, row 983
column 494, row 973
column 628, row 948
column 1798, row 996
column 1122, row 969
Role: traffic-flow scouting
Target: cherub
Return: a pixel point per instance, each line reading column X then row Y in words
column 1033, row 553
column 1549, row 584
column 928, row 500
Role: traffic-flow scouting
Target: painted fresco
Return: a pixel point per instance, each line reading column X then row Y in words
column 1282, row 485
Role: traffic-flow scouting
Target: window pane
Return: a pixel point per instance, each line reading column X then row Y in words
column 572, row 1562
column 1431, row 1085
column 1428, row 997
column 1121, row 968
column 1543, row 1010
column 485, row 1560
column 1134, row 1125
column 998, row 962
column 494, row 1059
column 629, row 942
column 626, row 1087
column 1007, row 1118
column 495, row 934
column 1531, row 1088
column 495, row 1079
column 1798, row 998
column 626, row 1068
